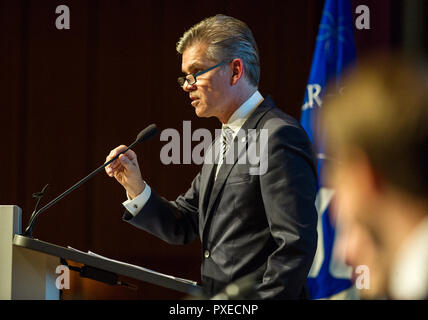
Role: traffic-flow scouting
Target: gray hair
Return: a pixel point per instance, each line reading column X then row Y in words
column 227, row 38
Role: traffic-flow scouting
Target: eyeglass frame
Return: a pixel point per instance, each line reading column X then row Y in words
column 182, row 80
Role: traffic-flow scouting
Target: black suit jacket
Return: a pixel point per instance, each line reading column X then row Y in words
column 264, row 225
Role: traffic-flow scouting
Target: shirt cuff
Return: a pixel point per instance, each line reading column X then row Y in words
column 135, row 205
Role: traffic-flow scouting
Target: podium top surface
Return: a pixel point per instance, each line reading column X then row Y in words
column 108, row 265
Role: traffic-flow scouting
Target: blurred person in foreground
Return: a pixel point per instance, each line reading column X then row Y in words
column 377, row 132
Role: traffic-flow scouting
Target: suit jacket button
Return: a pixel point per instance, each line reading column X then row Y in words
column 206, row 254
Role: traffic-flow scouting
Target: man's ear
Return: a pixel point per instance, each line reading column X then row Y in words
column 237, row 70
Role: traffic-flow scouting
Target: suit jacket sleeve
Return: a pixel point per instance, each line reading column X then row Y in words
column 288, row 191
column 175, row 222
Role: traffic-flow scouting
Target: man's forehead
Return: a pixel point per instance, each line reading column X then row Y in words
column 194, row 57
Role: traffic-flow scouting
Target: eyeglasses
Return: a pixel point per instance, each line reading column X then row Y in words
column 191, row 78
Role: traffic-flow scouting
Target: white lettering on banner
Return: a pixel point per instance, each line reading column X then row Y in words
column 322, row 201
column 337, row 268
column 314, row 94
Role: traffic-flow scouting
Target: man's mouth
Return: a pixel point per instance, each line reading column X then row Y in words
column 195, row 101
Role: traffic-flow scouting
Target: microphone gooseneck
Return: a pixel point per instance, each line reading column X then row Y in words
column 144, row 135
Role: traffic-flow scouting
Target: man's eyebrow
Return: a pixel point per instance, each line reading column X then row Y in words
column 194, row 66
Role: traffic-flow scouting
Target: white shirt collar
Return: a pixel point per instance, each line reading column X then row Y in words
column 241, row 115
column 409, row 278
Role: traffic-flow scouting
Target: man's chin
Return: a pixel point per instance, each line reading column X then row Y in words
column 201, row 112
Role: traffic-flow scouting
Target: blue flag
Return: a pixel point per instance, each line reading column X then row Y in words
column 334, row 52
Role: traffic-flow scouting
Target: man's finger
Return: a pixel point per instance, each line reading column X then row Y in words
column 113, row 153
column 109, row 171
column 131, row 155
column 125, row 161
column 116, row 151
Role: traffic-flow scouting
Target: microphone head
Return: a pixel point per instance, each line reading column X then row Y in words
column 147, row 133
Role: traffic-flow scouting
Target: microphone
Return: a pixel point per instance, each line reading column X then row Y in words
column 144, row 135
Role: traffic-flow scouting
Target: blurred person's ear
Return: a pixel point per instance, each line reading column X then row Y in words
column 366, row 177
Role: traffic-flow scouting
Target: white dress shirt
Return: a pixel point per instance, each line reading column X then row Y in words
column 235, row 122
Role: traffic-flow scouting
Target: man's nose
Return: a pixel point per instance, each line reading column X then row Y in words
column 188, row 87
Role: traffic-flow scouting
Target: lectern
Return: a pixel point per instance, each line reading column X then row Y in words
column 28, row 266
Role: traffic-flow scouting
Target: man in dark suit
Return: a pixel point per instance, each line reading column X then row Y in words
column 253, row 218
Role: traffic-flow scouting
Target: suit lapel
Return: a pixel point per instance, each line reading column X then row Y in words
column 207, row 176
column 225, row 168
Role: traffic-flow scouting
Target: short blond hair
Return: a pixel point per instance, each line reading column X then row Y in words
column 227, row 38
column 384, row 112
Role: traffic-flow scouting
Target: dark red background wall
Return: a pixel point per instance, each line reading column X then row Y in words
column 67, row 97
